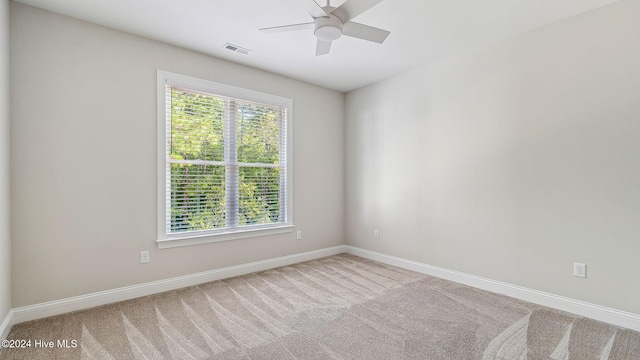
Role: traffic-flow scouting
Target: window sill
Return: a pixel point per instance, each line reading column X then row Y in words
column 179, row 241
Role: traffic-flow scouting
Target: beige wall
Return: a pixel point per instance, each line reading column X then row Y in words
column 510, row 163
column 5, row 242
column 84, row 159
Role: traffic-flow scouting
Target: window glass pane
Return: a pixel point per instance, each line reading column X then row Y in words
column 258, row 133
column 197, row 126
column 259, row 195
column 225, row 158
column 197, row 197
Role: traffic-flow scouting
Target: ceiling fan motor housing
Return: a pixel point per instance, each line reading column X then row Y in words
column 328, row 28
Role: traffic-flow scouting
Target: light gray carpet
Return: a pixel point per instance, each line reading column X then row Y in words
column 340, row 307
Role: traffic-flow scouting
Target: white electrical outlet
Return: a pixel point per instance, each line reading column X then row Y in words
column 299, row 235
column 144, row 257
column 376, row 234
column 580, row 270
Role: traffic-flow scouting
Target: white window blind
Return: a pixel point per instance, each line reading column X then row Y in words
column 225, row 159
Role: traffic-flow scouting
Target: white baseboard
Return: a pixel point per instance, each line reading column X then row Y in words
column 6, row 325
column 597, row 312
column 57, row 307
column 37, row 311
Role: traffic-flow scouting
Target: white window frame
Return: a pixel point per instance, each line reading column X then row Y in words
column 165, row 240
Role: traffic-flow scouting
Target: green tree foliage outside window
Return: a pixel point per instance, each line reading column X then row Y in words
column 214, row 141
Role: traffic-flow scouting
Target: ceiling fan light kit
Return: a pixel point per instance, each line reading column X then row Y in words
column 331, row 23
column 328, row 28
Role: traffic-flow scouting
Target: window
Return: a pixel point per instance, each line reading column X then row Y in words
column 223, row 162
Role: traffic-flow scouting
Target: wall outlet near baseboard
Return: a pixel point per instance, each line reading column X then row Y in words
column 299, row 235
column 580, row 270
column 144, row 257
column 376, row 234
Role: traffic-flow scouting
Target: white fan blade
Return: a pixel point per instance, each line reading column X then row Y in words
column 353, row 8
column 364, row 32
column 294, row 27
column 313, row 8
column 323, row 47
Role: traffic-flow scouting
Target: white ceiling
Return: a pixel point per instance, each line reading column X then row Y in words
column 422, row 31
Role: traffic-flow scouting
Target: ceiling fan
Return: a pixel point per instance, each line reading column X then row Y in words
column 330, row 23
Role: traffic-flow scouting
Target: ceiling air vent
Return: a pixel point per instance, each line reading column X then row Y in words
column 236, row 48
